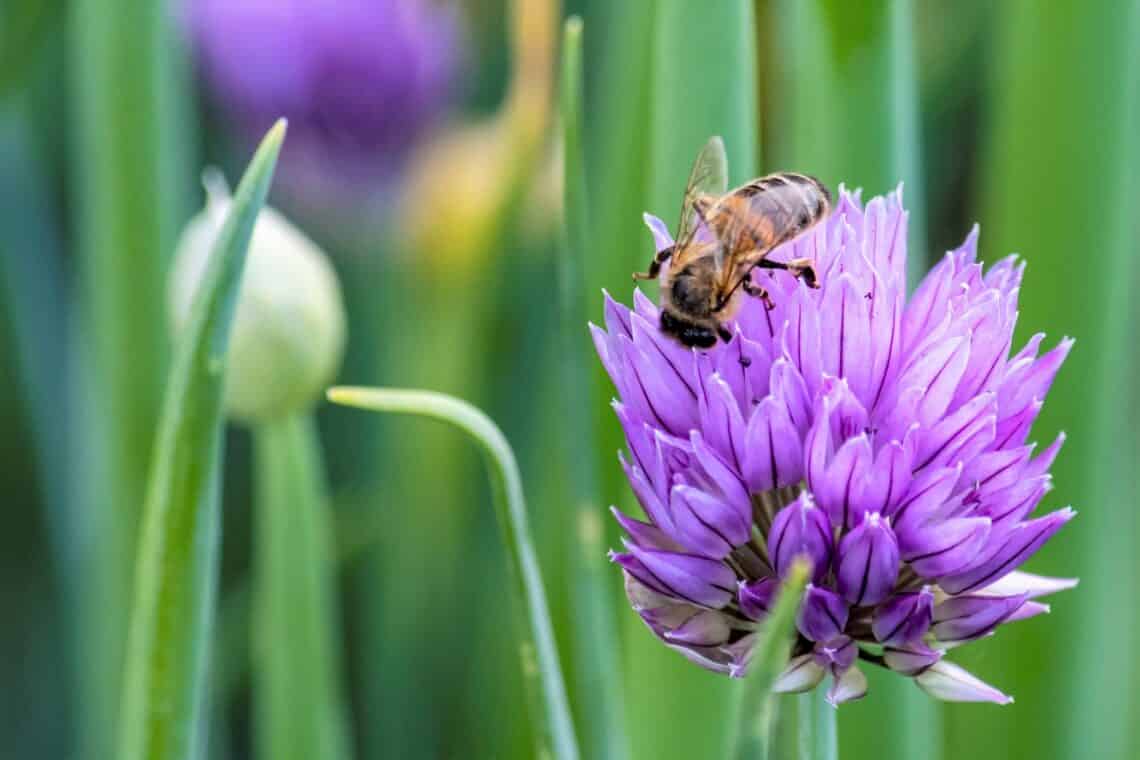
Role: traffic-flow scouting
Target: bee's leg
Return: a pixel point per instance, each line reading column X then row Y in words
column 724, row 333
column 655, row 265
column 802, row 268
column 805, row 270
column 757, row 291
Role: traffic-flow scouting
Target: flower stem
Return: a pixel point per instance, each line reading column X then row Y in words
column 756, row 718
column 300, row 711
column 540, row 666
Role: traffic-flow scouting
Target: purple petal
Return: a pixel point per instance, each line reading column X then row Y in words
column 726, row 480
column 842, row 485
column 911, row 659
column 706, row 524
column 707, row 628
column 721, row 419
column 801, row 530
column 787, row 385
column 836, row 655
column 745, row 366
column 644, row 534
column 956, row 438
column 964, row 618
column 773, row 450
column 822, row 615
column 846, row 332
column 1015, row 548
column 699, row 580
column 756, row 596
column 668, row 400
column 868, row 562
column 617, row 317
column 940, row 548
column 945, row 680
column 661, row 237
column 937, row 372
column 925, row 498
column 1028, row 610
column 1030, row 380
column 903, row 618
column 890, row 477
column 654, row 507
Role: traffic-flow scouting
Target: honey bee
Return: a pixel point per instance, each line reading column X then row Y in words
column 722, row 236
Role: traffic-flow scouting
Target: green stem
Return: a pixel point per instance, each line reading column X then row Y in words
column 299, row 708
column 537, row 650
column 598, row 688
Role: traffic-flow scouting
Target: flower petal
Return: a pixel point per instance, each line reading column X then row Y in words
column 940, row 548
column 904, row 617
column 707, row 628
column 699, row 580
column 868, row 562
column 802, row 674
column 1015, row 547
column 772, row 448
column 1033, row 586
column 801, row 530
column 822, row 615
column 945, row 680
column 964, row 618
column 756, row 596
column 847, row 687
column 911, row 659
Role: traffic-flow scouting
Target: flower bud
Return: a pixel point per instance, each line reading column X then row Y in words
column 288, row 333
column 868, row 563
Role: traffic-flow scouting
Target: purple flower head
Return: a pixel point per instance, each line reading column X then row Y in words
column 359, row 80
column 884, row 438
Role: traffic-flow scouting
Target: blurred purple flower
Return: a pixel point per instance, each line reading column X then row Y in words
column 359, row 80
column 882, row 438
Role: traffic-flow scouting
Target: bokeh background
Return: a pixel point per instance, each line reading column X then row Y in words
column 423, row 156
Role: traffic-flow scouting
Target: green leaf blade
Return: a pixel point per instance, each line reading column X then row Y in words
column 176, row 571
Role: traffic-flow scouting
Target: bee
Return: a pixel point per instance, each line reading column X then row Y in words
column 722, row 236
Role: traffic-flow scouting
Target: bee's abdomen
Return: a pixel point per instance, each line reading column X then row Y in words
column 789, row 202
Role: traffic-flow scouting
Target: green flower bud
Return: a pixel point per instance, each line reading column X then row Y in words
column 289, row 329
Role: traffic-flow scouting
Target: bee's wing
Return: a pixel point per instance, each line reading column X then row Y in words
column 709, row 177
column 752, row 221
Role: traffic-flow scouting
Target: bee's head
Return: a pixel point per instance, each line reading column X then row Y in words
column 693, row 289
column 689, row 333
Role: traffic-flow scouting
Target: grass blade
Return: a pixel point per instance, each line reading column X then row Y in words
column 537, row 649
column 131, row 186
column 598, row 688
column 297, row 693
column 176, row 576
column 768, row 659
column 846, row 80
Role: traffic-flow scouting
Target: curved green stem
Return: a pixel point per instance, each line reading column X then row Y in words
column 540, row 665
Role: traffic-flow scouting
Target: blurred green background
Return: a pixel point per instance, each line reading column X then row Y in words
column 424, row 157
